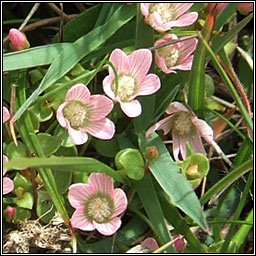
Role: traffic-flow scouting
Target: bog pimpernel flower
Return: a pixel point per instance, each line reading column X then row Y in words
column 82, row 113
column 133, row 79
column 97, row 204
column 176, row 56
column 163, row 16
column 185, row 127
column 8, row 185
column 18, row 40
column 6, row 114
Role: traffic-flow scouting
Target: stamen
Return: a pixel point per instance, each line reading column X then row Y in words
column 182, row 123
column 170, row 54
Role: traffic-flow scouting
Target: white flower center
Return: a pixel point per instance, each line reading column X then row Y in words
column 182, row 123
column 76, row 113
column 170, row 54
column 165, row 10
column 126, row 87
column 99, row 208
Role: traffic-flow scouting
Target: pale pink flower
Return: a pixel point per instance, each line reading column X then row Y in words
column 133, row 79
column 18, row 40
column 245, row 8
column 6, row 114
column 8, row 185
column 185, row 127
column 175, row 56
column 82, row 113
column 97, row 204
column 163, row 16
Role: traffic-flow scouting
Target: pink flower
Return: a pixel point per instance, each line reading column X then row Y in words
column 245, row 8
column 6, row 114
column 164, row 16
column 8, row 185
column 82, row 113
column 133, row 79
column 97, row 204
column 18, row 40
column 185, row 127
column 175, row 56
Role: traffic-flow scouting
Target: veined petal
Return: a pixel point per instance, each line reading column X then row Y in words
column 78, row 92
column 158, row 22
column 160, row 61
column 103, row 129
column 132, row 108
column 176, row 107
column 185, row 64
column 179, row 142
column 6, row 114
column 144, row 7
column 181, row 8
column 78, row 220
column 120, row 200
column 187, row 47
column 79, row 193
column 100, row 106
column 175, row 145
column 59, row 114
column 78, row 137
column 140, row 63
column 109, row 228
column 165, row 125
column 102, row 183
column 120, row 60
column 150, row 84
column 107, row 82
column 204, row 129
column 196, row 143
column 8, row 185
column 184, row 20
column 150, row 243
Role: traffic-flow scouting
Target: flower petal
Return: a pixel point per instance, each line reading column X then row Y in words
column 196, row 143
column 150, row 243
column 157, row 23
column 132, row 108
column 6, row 114
column 144, row 7
column 78, row 92
column 140, row 63
column 176, row 107
column 79, row 193
column 59, row 114
column 103, row 129
column 165, row 125
column 120, row 200
column 78, row 137
column 8, row 185
column 175, row 145
column 102, row 183
column 204, row 129
column 5, row 159
column 185, row 64
column 120, row 61
column 184, row 20
column 100, row 106
column 107, row 82
column 78, row 220
column 108, row 229
column 181, row 8
column 150, row 84
column 187, row 47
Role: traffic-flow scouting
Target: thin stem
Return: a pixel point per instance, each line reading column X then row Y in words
column 116, row 76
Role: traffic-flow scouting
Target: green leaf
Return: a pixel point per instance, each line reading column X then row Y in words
column 172, row 181
column 23, row 182
column 26, row 201
column 108, row 148
column 15, row 151
column 49, row 143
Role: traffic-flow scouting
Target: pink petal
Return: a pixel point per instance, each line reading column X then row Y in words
column 107, row 82
column 100, row 106
column 150, row 84
column 102, row 183
column 185, row 64
column 103, row 129
column 165, row 125
column 59, row 114
column 144, row 7
column 79, row 220
column 132, row 108
column 78, row 137
column 120, row 61
column 79, row 193
column 6, row 114
column 120, row 200
column 175, row 145
column 184, row 20
column 78, row 92
column 176, row 107
column 150, row 243
column 166, row 39
column 5, row 159
column 110, row 228
column 181, row 8
column 196, row 143
column 139, row 63
column 204, row 129
column 160, row 62
column 187, row 47
column 8, row 185
column 158, row 22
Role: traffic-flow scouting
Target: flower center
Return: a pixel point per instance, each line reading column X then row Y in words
column 76, row 113
column 126, row 87
column 182, row 123
column 99, row 208
column 165, row 10
column 170, row 54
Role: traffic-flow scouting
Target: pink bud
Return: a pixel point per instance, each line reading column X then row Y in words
column 9, row 214
column 18, row 40
column 245, row 8
column 180, row 243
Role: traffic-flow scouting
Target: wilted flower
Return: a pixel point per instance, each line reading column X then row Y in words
column 8, row 185
column 82, row 113
column 97, row 204
column 175, row 56
column 18, row 40
column 164, row 16
column 185, row 127
column 133, row 79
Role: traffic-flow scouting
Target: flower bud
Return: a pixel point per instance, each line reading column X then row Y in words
column 18, row 40
column 9, row 214
column 192, row 172
column 151, row 153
